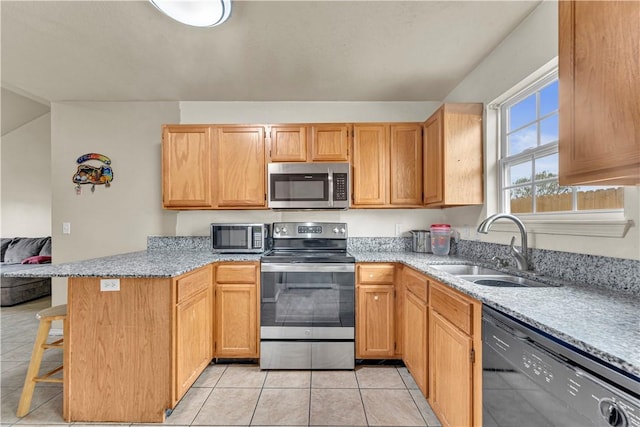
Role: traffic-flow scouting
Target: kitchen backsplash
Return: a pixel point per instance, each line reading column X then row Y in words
column 611, row 273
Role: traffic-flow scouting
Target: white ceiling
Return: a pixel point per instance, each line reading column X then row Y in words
column 267, row 51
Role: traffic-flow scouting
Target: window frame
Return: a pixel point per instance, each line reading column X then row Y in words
column 602, row 223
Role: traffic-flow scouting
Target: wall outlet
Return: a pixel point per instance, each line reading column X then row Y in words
column 66, row 228
column 109, row 285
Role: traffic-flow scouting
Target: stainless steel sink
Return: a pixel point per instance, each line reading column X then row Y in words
column 489, row 277
column 475, row 270
column 504, row 281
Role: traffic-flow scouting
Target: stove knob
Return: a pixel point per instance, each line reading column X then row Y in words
column 277, row 230
column 342, row 230
column 612, row 413
column 284, row 230
column 335, row 230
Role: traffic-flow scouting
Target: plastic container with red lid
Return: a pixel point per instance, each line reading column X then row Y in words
column 440, row 239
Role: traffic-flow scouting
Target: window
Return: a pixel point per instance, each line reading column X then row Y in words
column 529, row 157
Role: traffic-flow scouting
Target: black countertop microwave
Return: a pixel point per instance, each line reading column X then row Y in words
column 308, row 186
column 239, row 238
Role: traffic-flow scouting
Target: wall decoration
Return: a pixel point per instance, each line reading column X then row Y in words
column 102, row 174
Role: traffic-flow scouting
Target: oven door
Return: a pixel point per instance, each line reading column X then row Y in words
column 307, row 301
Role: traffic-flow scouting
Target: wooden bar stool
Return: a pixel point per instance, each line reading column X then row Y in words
column 46, row 316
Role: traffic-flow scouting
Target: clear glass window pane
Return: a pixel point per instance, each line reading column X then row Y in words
column 551, row 197
column 519, row 174
column 522, row 140
column 522, row 113
column 549, row 99
column 549, row 130
column 520, row 199
column 547, row 167
column 591, row 198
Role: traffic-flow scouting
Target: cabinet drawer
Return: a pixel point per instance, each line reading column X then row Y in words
column 192, row 283
column 376, row 273
column 236, row 273
column 452, row 307
column 415, row 282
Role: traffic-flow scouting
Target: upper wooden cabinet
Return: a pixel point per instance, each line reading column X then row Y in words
column 240, row 164
column 387, row 165
column 187, row 167
column 309, row 143
column 453, row 162
column 329, row 142
column 213, row 167
column 288, row 143
column 599, row 71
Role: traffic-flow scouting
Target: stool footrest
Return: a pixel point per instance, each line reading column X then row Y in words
column 46, row 377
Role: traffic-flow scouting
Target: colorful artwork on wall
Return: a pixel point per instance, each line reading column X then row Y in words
column 100, row 174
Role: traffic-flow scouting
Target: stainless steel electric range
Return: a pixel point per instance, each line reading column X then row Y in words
column 307, row 301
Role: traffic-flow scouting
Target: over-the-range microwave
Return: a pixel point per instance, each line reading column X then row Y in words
column 308, row 186
column 239, row 238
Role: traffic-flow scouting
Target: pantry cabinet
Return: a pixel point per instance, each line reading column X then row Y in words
column 453, row 160
column 375, row 311
column 194, row 328
column 187, row 167
column 237, row 310
column 240, row 166
column 387, row 165
column 599, row 71
column 416, row 318
column 455, row 355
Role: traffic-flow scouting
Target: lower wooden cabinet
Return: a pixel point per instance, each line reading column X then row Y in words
column 455, row 356
column 237, row 310
column 193, row 332
column 376, row 311
column 416, row 327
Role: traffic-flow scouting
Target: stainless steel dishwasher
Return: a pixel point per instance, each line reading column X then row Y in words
column 532, row 379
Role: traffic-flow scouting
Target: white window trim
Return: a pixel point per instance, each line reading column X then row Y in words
column 591, row 224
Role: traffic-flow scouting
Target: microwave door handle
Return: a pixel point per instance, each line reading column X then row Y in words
column 249, row 237
column 330, row 180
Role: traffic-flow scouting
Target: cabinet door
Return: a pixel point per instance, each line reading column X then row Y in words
column 240, row 167
column 330, row 143
column 450, row 372
column 406, row 164
column 187, row 167
column 599, row 71
column 414, row 352
column 433, row 158
column 193, row 340
column 375, row 321
column 370, row 168
column 288, row 144
column 236, row 323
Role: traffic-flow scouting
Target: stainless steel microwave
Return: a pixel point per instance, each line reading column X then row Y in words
column 308, row 186
column 239, row 238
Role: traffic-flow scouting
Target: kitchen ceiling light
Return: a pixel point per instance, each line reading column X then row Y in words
column 198, row 13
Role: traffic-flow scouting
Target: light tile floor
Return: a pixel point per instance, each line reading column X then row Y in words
column 234, row 394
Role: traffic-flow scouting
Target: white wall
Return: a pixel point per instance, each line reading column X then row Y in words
column 116, row 219
column 376, row 222
column 26, row 180
column 530, row 46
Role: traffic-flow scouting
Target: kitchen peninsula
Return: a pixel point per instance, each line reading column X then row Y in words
column 123, row 352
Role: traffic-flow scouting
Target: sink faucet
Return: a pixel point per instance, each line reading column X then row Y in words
column 520, row 255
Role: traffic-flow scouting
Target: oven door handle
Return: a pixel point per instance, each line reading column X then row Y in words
column 307, row 268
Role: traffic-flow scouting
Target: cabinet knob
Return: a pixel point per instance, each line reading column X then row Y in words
column 375, row 298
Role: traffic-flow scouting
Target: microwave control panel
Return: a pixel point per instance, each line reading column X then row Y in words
column 340, row 186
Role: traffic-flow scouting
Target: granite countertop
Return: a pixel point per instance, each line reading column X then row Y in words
column 602, row 322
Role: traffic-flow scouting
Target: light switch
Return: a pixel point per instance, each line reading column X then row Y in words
column 66, row 228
